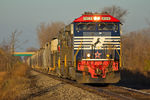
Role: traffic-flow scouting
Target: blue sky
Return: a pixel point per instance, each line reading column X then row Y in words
column 26, row 15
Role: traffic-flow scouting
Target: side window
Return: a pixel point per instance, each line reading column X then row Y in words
column 81, row 26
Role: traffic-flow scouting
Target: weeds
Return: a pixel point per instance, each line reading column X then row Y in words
column 14, row 82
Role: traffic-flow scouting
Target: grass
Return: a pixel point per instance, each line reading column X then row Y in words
column 2, row 75
column 13, row 82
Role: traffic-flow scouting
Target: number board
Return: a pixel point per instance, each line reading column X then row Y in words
column 101, row 18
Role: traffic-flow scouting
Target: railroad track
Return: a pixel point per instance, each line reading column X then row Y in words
column 131, row 94
column 111, row 92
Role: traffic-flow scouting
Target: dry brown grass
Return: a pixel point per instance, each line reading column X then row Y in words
column 13, row 76
column 2, row 75
column 14, row 82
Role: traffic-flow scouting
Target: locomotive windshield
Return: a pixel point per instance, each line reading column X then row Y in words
column 100, row 26
column 85, row 26
column 107, row 26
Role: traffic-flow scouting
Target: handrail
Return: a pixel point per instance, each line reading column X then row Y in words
column 77, row 53
column 119, row 54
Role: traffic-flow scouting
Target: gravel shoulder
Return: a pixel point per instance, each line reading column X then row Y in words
column 43, row 87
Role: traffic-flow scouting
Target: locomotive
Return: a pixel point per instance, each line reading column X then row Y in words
column 88, row 50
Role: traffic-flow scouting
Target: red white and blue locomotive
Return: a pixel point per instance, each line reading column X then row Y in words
column 87, row 50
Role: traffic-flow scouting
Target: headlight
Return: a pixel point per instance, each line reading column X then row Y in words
column 88, row 55
column 96, row 18
column 107, row 55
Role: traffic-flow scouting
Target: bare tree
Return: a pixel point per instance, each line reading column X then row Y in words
column 135, row 46
column 31, row 49
column 5, row 45
column 46, row 32
column 14, row 42
column 116, row 11
column 7, row 61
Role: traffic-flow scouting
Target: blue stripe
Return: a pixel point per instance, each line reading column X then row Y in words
column 83, row 47
column 116, row 47
column 112, row 38
column 83, row 41
column 82, row 38
column 111, row 41
column 96, row 33
column 111, row 44
column 82, row 44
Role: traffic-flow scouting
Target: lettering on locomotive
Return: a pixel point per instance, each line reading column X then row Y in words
column 87, row 18
column 106, row 18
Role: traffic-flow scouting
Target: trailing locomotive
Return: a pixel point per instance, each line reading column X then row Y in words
column 87, row 50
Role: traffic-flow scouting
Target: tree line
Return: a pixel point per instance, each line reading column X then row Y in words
column 7, row 60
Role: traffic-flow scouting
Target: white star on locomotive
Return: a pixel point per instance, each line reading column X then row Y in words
column 97, row 54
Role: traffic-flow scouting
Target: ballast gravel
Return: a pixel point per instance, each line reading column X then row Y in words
column 45, row 88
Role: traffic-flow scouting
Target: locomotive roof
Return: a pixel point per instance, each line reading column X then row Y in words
column 96, row 18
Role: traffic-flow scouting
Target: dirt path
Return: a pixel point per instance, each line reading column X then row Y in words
column 43, row 87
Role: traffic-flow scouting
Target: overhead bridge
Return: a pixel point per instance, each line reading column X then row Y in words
column 23, row 53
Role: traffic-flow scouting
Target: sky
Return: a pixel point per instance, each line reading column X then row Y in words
column 26, row 15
